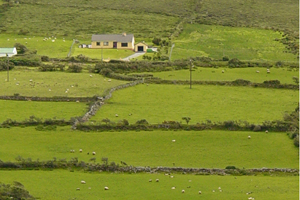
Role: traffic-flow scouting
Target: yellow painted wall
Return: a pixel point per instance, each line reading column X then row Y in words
column 110, row 45
column 140, row 44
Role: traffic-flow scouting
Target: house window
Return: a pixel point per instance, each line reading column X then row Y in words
column 98, row 43
column 124, row 44
column 105, row 43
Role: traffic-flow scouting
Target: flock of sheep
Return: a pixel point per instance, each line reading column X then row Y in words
column 80, row 151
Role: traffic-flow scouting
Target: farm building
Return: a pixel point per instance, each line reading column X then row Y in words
column 113, row 41
column 8, row 51
column 141, row 46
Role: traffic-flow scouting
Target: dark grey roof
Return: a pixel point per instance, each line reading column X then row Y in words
column 113, row 37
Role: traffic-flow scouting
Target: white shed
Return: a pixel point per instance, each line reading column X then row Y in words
column 8, row 51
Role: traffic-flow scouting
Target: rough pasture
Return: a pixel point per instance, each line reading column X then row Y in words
column 62, row 184
column 200, row 149
column 158, row 103
column 234, row 42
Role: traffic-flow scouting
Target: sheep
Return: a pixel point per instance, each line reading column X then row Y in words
column 94, row 153
column 190, row 180
column 109, row 80
column 249, row 137
column 90, row 188
column 106, row 188
column 219, row 188
column 257, row 71
column 150, row 180
column 82, row 182
column 49, row 90
column 223, row 71
column 157, row 180
column 77, row 188
column 117, row 115
column 91, row 75
column 171, row 176
column 7, row 39
column 200, row 192
column 182, row 191
column 213, row 191
column 266, row 131
column 173, row 140
column 173, row 188
column 80, row 150
column 53, row 40
column 72, row 151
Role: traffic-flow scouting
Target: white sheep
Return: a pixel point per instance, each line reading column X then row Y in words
column 150, row 180
column 173, row 140
column 157, row 180
column 200, row 192
column 91, row 75
column 223, row 71
column 266, row 131
column 268, row 71
column 257, row 71
column 219, row 188
column 109, row 80
column 173, row 188
column 249, row 137
column 117, row 115
column 182, row 191
column 171, row 176
column 77, row 188
column 80, row 150
column 106, row 188
column 213, row 191
column 49, row 90
column 82, row 182
column 94, row 153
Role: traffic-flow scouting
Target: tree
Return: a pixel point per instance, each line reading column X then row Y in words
column 187, row 119
column 21, row 49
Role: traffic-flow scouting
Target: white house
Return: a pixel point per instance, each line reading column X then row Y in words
column 8, row 51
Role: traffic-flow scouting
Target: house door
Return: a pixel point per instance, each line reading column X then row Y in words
column 115, row 45
column 140, row 48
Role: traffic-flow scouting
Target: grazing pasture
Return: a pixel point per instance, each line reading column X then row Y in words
column 60, row 185
column 284, row 75
column 235, row 42
column 158, row 103
column 31, row 82
column 200, row 149
column 106, row 54
column 21, row 110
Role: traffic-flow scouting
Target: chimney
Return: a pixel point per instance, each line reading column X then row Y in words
column 124, row 34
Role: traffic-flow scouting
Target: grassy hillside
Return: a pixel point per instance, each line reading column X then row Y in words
column 208, row 149
column 282, row 14
column 157, row 103
column 61, row 185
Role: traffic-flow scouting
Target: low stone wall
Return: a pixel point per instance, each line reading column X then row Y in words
column 100, row 101
column 53, row 99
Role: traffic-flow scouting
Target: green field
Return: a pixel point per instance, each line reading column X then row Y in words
column 200, row 149
column 21, row 110
column 61, row 185
column 218, row 41
column 157, row 103
column 49, row 84
column 284, row 75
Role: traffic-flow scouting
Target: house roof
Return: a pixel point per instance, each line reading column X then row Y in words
column 7, row 50
column 113, row 37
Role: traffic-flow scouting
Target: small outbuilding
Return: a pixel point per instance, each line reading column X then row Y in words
column 140, row 47
column 8, row 51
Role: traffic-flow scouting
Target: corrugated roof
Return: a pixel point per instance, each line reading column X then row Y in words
column 6, row 50
column 113, row 37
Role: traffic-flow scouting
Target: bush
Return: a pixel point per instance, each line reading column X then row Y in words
column 142, row 122
column 272, row 82
column 75, row 68
column 45, row 58
column 257, row 128
column 230, row 167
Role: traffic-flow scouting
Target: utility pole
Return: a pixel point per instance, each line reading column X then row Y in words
column 191, row 69
column 173, row 45
column 7, row 68
column 101, row 54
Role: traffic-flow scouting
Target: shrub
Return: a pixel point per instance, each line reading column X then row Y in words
column 272, row 82
column 76, row 68
column 296, row 141
column 156, row 41
column 45, row 58
column 142, row 122
column 230, row 167
column 225, row 58
column 257, row 128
